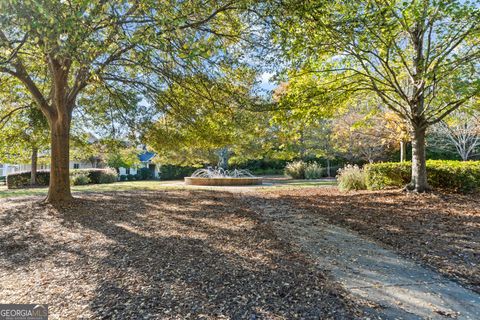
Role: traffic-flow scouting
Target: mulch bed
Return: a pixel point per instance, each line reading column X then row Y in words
column 159, row 255
column 439, row 229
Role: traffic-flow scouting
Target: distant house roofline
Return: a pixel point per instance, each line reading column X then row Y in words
column 146, row 156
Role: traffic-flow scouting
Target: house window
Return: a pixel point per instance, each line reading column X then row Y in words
column 127, row 171
column 76, row 166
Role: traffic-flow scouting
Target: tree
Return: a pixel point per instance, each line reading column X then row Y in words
column 57, row 49
column 122, row 157
column 301, row 126
column 421, row 58
column 359, row 138
column 23, row 128
column 23, row 138
column 208, row 124
column 461, row 129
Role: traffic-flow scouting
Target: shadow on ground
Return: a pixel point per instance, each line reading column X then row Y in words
column 165, row 254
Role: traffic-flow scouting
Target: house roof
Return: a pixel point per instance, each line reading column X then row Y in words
column 146, row 156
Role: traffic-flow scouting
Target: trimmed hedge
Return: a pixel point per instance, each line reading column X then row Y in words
column 459, row 176
column 144, row 174
column 387, row 174
column 19, row 180
column 171, row 172
column 95, row 176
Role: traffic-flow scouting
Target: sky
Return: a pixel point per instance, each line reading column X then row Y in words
column 266, row 83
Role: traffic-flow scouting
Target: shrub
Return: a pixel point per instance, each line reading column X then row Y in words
column 131, row 177
column 387, row 174
column 459, row 176
column 171, row 172
column 267, row 171
column 93, row 174
column 96, row 175
column 80, row 179
column 123, row 177
column 296, row 169
column 144, row 174
column 351, row 177
column 22, row 179
column 108, row 176
column 314, row 171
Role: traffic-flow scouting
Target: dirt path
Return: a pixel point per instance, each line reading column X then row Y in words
column 390, row 286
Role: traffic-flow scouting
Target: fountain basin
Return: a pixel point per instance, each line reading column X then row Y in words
column 223, row 181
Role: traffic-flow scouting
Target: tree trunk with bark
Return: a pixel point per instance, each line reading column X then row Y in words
column 59, row 188
column 33, row 171
column 419, row 166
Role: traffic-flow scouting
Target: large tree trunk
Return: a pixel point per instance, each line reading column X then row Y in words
column 59, row 190
column 33, row 171
column 419, row 166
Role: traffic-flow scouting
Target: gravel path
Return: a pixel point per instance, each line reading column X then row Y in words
column 390, row 286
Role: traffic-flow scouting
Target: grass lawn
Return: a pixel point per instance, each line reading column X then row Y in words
column 118, row 186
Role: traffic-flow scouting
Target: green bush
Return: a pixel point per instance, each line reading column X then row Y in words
column 22, row 179
column 314, row 171
column 387, row 174
column 171, row 172
column 108, row 176
column 144, row 174
column 93, row 174
column 351, row 177
column 131, row 177
column 267, row 171
column 79, row 179
column 459, row 176
column 260, row 166
column 123, row 177
column 296, row 169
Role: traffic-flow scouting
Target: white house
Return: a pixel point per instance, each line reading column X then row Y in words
column 6, row 169
column 145, row 157
column 146, row 161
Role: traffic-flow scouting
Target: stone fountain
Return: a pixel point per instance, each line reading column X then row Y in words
column 221, row 177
